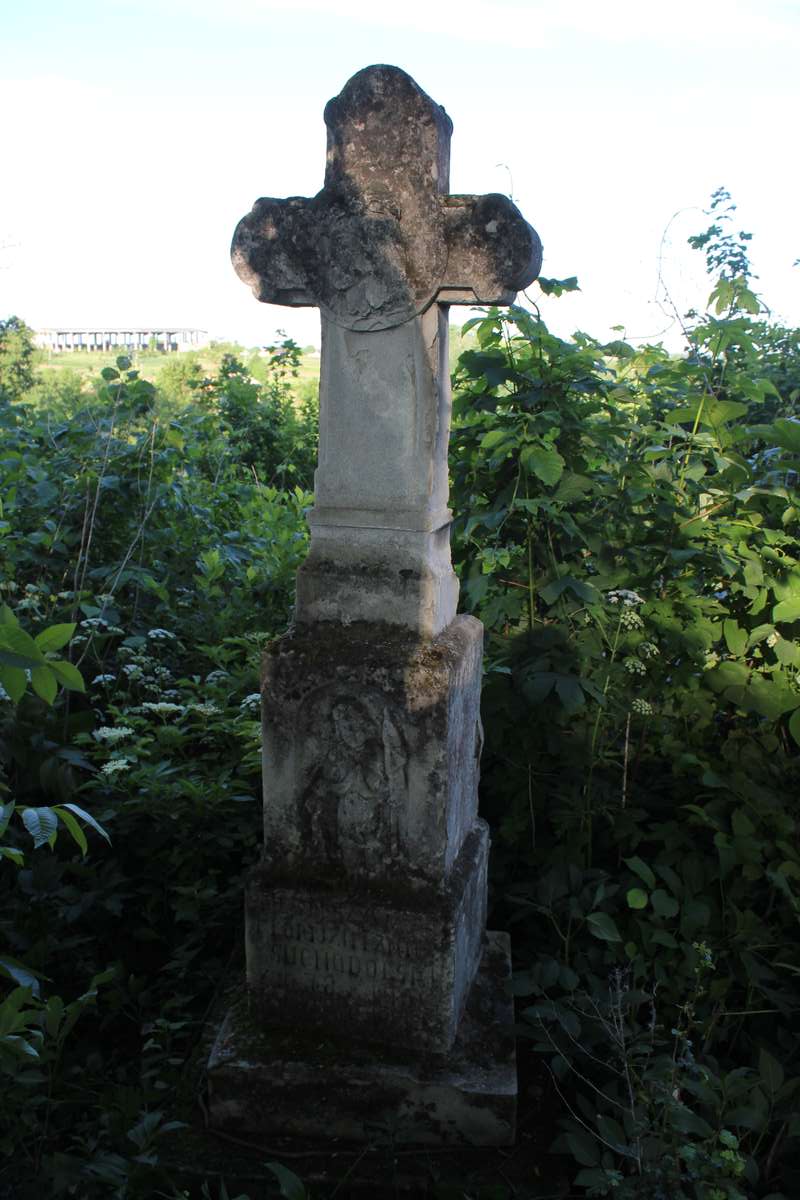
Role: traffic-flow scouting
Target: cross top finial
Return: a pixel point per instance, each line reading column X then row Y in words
column 383, row 239
column 383, row 126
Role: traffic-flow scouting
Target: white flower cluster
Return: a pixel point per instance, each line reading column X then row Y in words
column 634, row 666
column 104, row 679
column 216, row 676
column 251, row 703
column 142, row 669
column 631, row 620
column 642, row 708
column 114, row 766
column 160, row 635
column 93, row 625
column 649, row 650
column 108, row 734
column 624, row 596
column 206, row 709
column 162, row 708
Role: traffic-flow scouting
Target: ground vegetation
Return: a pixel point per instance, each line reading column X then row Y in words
column 627, row 532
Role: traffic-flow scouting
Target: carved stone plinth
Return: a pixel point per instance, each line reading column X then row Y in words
column 369, row 905
column 272, row 1082
column 371, row 747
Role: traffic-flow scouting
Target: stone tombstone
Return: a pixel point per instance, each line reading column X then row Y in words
column 375, row 999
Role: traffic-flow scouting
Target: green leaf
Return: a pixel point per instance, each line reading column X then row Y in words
column 73, row 828
column 538, row 685
column 557, row 287
column 787, row 653
column 495, row 438
column 18, row 649
column 23, row 976
column 584, row 591
column 55, row 637
column 771, row 699
column 544, row 462
column 583, row 1147
column 15, row 681
column 640, row 868
column 724, row 410
column 787, row 610
column 67, row 675
column 728, row 674
column 603, row 927
column 741, row 824
column 735, row 637
column 595, row 1179
column 41, row 824
column 759, row 634
column 572, row 486
column 771, row 1072
column 44, row 683
column 794, row 726
column 686, row 1121
column 664, row 904
column 637, row 898
column 291, row 1187
column 7, row 617
column 6, row 813
column 88, row 818
column 570, row 693
column 786, row 433
column 753, row 573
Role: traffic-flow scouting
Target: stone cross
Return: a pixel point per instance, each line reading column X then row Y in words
column 383, row 249
column 374, row 992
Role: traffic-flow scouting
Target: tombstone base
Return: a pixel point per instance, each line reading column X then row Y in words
column 273, row 1083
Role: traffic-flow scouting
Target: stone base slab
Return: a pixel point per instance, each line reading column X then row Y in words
column 277, row 1084
column 368, row 965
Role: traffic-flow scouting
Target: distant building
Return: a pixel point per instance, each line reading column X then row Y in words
column 100, row 337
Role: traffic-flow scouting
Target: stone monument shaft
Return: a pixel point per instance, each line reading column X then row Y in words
column 365, row 920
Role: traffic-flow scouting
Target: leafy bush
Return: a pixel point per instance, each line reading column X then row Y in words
column 143, row 566
column 626, row 532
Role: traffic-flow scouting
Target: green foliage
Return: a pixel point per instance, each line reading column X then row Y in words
column 626, row 532
column 17, row 352
column 143, row 565
column 267, row 430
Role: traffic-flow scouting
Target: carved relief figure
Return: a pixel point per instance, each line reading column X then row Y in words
column 351, row 806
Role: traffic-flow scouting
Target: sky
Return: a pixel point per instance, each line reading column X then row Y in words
column 136, row 133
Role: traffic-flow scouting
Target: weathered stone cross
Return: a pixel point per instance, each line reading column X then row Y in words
column 366, row 917
column 383, row 249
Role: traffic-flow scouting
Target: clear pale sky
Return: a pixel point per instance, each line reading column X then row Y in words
column 137, row 132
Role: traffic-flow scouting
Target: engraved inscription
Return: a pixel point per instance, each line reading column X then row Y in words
column 328, row 957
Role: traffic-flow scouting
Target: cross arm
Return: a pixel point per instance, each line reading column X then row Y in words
column 270, row 250
column 493, row 252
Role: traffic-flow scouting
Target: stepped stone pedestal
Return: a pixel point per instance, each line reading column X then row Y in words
column 375, row 1003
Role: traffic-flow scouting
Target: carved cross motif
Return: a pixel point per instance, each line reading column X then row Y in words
column 384, row 239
